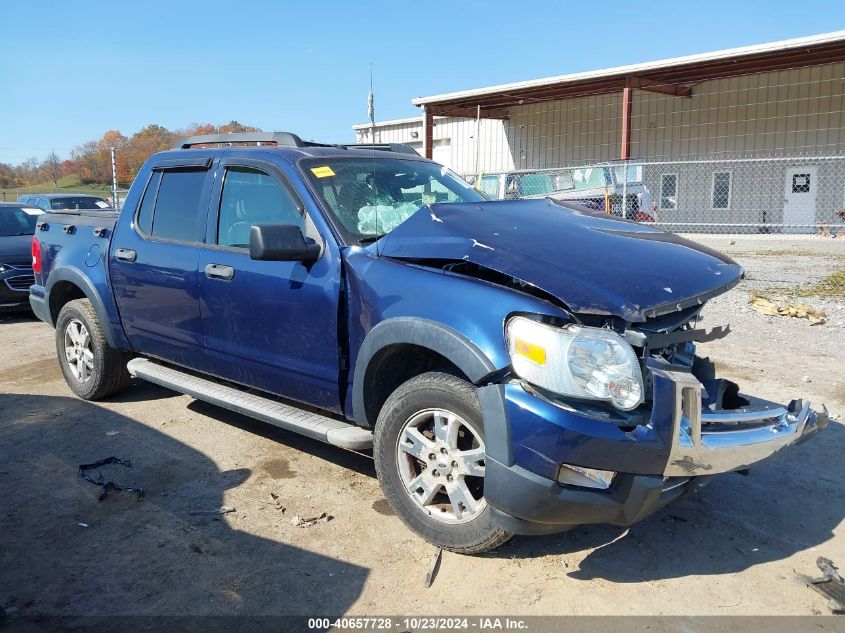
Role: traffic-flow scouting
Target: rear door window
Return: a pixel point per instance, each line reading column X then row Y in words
column 145, row 213
column 177, row 214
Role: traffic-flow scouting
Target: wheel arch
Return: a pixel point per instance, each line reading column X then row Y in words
column 432, row 345
column 67, row 284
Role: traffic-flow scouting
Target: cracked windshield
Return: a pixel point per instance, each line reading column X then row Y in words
column 370, row 197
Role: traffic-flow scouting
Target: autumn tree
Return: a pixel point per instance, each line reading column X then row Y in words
column 198, row 129
column 144, row 143
column 92, row 160
column 94, row 165
column 234, row 126
column 113, row 139
column 52, row 168
column 28, row 171
column 7, row 175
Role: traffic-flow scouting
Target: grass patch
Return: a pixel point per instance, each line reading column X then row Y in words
column 831, row 286
column 786, row 252
column 67, row 184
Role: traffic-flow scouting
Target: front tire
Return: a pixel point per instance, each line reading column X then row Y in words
column 429, row 456
column 91, row 368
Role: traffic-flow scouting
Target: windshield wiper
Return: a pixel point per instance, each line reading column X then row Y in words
column 26, row 233
column 371, row 238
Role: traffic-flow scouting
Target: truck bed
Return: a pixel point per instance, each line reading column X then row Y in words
column 86, row 217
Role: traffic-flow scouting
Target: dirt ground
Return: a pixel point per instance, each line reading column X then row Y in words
column 734, row 549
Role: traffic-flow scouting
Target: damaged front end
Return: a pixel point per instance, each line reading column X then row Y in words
column 714, row 427
column 576, row 461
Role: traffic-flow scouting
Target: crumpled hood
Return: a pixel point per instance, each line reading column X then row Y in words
column 594, row 263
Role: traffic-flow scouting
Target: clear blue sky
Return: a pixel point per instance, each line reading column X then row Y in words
column 72, row 70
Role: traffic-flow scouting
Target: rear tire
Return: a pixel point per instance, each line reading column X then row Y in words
column 92, row 369
column 429, row 456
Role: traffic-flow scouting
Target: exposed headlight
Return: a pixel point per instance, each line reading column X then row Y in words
column 576, row 361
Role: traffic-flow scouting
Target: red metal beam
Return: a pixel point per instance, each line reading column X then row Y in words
column 627, row 103
column 652, row 85
column 428, row 118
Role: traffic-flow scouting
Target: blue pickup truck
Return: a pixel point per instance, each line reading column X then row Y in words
column 515, row 366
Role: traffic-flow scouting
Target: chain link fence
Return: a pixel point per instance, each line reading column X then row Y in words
column 790, row 194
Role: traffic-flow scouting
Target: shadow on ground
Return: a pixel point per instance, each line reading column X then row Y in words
column 787, row 505
column 22, row 316
column 63, row 552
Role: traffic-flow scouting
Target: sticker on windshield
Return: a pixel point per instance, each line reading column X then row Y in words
column 31, row 211
column 322, row 172
column 101, row 204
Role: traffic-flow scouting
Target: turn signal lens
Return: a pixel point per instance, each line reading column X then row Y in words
column 532, row 352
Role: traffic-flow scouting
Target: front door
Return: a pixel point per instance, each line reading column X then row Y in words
column 153, row 267
column 271, row 325
column 799, row 211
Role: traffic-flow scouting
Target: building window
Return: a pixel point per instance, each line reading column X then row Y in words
column 721, row 192
column 801, row 183
column 668, row 192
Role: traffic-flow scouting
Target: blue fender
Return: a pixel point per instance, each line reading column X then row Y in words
column 114, row 334
column 450, row 344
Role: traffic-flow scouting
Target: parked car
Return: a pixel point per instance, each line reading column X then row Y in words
column 58, row 201
column 506, row 378
column 17, row 226
column 596, row 187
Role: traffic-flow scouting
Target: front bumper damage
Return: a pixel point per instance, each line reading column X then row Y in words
column 711, row 442
column 687, row 439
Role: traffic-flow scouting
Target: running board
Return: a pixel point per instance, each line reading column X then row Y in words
column 313, row 425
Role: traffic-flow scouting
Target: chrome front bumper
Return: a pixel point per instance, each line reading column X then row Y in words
column 711, row 442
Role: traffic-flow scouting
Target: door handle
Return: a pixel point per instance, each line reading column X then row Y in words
column 126, row 255
column 219, row 271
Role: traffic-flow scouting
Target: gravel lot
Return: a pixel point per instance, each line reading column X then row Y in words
column 782, row 263
column 734, row 549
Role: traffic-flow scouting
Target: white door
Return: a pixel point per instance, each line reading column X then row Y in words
column 799, row 206
column 442, row 153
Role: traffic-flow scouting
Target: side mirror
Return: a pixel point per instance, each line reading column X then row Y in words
column 281, row 242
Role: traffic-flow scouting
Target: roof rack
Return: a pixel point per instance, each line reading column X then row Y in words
column 279, row 139
column 282, row 139
column 399, row 148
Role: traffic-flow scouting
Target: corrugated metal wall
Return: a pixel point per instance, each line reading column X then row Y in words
column 744, row 125
column 777, row 113
column 766, row 114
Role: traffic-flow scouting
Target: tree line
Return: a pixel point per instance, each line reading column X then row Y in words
column 92, row 160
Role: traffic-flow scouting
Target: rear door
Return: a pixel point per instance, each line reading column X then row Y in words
column 153, row 263
column 268, row 324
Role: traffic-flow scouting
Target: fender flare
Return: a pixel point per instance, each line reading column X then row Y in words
column 415, row 331
column 78, row 278
column 465, row 354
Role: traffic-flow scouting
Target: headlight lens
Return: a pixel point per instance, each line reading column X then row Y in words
column 576, row 361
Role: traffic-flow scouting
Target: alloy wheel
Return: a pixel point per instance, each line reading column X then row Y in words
column 441, row 463
column 80, row 356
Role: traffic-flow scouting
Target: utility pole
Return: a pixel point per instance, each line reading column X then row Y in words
column 114, row 200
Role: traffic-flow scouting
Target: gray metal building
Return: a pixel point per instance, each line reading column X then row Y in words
column 745, row 139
